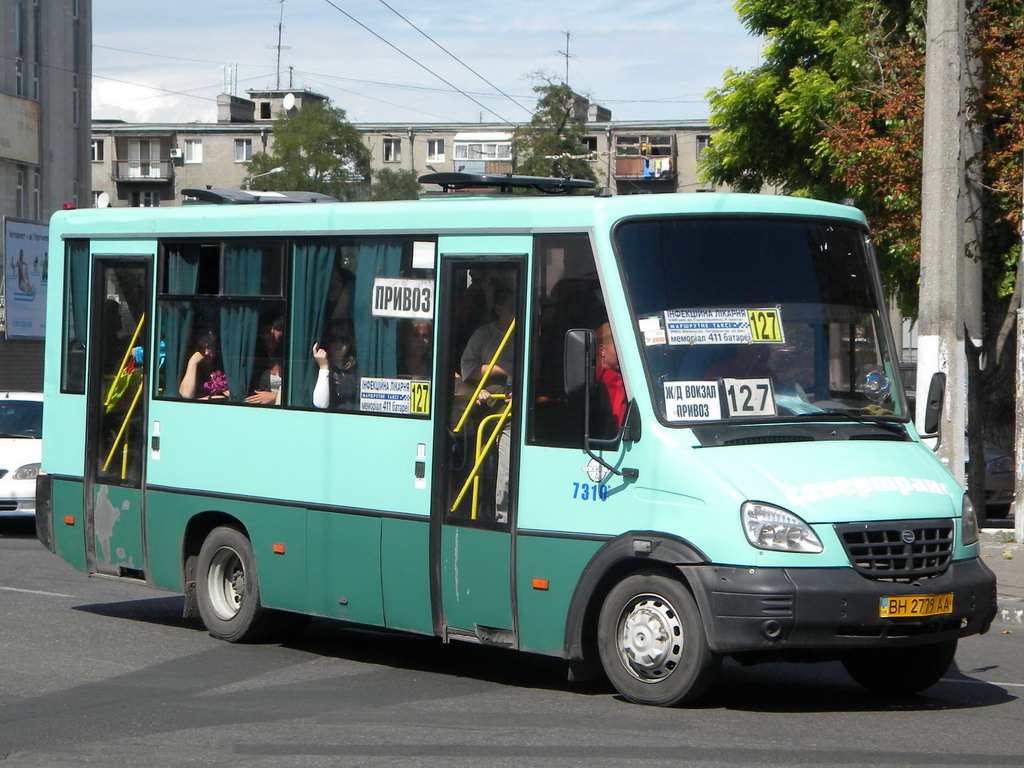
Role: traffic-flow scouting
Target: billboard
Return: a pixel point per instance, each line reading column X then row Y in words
column 19, row 129
column 26, row 267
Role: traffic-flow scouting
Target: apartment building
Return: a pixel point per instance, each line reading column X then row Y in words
column 149, row 164
column 44, row 161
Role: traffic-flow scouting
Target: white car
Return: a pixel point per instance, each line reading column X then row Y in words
column 21, row 450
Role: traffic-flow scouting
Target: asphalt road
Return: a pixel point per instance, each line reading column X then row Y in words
column 100, row 672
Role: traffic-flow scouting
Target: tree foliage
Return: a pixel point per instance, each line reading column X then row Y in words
column 551, row 144
column 320, row 152
column 390, row 184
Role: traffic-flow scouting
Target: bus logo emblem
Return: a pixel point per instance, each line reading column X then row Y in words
column 908, row 536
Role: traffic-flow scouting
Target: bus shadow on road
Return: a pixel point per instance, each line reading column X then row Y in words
column 825, row 687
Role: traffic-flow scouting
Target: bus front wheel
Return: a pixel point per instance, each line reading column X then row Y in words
column 900, row 671
column 227, row 588
column 652, row 642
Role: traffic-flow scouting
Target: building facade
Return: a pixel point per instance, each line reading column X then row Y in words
column 45, row 86
column 137, row 164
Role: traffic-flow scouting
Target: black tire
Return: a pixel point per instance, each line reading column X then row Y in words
column 652, row 642
column 997, row 511
column 227, row 587
column 900, row 671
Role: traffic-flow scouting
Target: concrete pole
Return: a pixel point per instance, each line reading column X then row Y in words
column 1018, row 433
column 943, row 208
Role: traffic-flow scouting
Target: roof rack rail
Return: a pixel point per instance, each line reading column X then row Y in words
column 252, row 196
column 457, row 181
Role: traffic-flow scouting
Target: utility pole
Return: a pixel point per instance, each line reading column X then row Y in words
column 943, row 213
column 567, row 54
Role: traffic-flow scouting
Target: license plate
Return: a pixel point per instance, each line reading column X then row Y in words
column 915, row 605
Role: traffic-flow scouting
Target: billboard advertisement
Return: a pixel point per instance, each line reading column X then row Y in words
column 25, row 277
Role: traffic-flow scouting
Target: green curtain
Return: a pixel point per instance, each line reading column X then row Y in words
column 314, row 260
column 376, row 337
column 243, row 267
column 176, row 316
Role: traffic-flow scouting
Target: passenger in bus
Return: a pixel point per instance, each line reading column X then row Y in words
column 486, row 339
column 266, row 386
column 204, row 377
column 337, row 381
column 416, row 345
column 339, row 295
column 476, row 358
column 609, row 378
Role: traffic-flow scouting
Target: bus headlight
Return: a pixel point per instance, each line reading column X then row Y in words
column 968, row 522
column 770, row 527
column 27, row 472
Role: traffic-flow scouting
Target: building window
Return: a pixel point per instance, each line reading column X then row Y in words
column 75, row 106
column 194, row 150
column 589, row 143
column 145, row 199
column 19, row 190
column 501, row 150
column 19, row 77
column 392, row 150
column 37, row 184
column 243, row 150
column 703, row 142
column 265, row 110
column 97, row 150
column 435, row 150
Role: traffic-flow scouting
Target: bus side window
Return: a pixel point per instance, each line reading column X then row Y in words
column 76, row 316
column 346, row 338
column 567, row 294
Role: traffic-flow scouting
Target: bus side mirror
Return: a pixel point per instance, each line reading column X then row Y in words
column 579, row 374
column 933, row 406
column 580, row 363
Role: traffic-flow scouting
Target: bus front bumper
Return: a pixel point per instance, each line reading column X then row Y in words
column 832, row 609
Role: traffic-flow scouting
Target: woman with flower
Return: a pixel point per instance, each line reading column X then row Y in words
column 202, row 380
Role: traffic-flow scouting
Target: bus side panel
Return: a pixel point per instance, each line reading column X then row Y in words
column 344, row 566
column 405, row 574
column 167, row 514
column 475, row 571
column 556, row 564
column 69, row 537
column 277, row 534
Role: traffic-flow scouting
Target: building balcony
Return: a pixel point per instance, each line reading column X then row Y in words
column 653, row 167
column 147, row 170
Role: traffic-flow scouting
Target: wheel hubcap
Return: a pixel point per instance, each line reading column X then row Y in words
column 650, row 638
column 226, row 583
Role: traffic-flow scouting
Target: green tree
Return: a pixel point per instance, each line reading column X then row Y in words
column 389, row 184
column 551, row 144
column 320, row 152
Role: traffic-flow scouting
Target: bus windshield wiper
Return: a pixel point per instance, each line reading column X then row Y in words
column 833, row 413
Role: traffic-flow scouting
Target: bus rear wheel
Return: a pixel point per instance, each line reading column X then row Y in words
column 900, row 671
column 227, row 588
column 652, row 642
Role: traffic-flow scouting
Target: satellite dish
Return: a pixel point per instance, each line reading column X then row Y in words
column 102, row 200
column 289, row 101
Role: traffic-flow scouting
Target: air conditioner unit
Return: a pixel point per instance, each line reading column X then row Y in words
column 175, row 153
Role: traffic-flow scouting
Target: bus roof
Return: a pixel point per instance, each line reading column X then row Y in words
column 438, row 215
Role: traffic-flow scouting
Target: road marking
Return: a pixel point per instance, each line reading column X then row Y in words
column 34, row 592
column 983, row 682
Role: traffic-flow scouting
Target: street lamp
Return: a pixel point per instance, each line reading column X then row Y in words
column 279, row 169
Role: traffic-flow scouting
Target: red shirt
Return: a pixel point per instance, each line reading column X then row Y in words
column 612, row 381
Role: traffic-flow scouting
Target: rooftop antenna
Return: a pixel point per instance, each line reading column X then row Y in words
column 279, row 47
column 563, row 53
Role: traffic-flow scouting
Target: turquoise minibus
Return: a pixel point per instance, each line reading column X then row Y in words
column 638, row 433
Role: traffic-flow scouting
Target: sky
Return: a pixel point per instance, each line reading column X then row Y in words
column 642, row 59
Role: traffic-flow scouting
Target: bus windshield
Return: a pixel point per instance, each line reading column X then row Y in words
column 755, row 318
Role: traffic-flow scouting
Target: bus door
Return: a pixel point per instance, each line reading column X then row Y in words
column 476, row 455
column 115, row 445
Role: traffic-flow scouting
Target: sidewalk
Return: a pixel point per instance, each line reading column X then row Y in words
column 1006, row 559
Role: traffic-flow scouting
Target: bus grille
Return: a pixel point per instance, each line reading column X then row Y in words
column 898, row 550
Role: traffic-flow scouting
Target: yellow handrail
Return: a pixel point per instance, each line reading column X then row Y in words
column 481, row 455
column 124, row 426
column 124, row 360
column 487, row 373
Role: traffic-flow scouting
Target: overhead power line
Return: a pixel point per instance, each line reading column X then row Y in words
column 460, row 61
column 414, row 61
